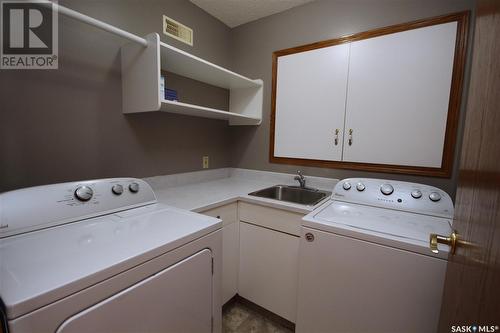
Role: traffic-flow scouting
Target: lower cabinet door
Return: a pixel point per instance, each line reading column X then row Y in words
column 269, row 269
column 230, row 247
column 177, row 299
column 351, row 286
column 230, row 259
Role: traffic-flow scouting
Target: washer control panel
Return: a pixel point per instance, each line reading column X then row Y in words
column 43, row 206
column 410, row 197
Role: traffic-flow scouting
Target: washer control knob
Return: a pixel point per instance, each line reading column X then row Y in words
column 346, row 186
column 133, row 187
column 434, row 196
column 117, row 189
column 84, row 193
column 360, row 187
column 416, row 194
column 386, row 189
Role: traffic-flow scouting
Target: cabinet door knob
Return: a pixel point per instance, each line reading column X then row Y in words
column 309, row 237
column 350, row 137
column 337, row 131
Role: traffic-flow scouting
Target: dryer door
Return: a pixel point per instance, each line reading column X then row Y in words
column 177, row 299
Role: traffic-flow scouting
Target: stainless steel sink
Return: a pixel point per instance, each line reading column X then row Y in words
column 295, row 194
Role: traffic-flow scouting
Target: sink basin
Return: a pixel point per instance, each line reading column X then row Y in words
column 303, row 196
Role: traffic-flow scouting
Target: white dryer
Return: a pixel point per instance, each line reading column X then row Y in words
column 104, row 256
column 365, row 262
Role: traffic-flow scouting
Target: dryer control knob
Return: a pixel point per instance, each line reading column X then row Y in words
column 117, row 189
column 360, row 187
column 417, row 194
column 84, row 193
column 346, row 186
column 386, row 189
column 133, row 187
column 434, row 196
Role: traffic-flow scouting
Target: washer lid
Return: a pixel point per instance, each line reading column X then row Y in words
column 41, row 267
column 379, row 223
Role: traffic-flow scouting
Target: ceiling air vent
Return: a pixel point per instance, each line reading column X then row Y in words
column 177, row 30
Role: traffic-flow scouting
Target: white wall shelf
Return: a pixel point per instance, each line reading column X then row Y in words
column 142, row 62
column 201, row 111
column 180, row 62
column 141, row 67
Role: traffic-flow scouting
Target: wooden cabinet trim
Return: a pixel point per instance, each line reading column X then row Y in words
column 462, row 19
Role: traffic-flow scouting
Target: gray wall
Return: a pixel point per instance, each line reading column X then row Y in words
column 253, row 44
column 67, row 124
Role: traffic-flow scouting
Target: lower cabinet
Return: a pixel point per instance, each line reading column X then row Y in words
column 230, row 248
column 230, row 260
column 260, row 256
column 268, row 274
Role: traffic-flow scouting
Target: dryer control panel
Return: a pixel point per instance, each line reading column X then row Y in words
column 404, row 196
column 40, row 207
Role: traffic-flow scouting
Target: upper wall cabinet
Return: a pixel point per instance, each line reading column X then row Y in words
column 310, row 120
column 384, row 100
column 141, row 67
column 399, row 90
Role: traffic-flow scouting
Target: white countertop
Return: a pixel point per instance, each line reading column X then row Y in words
column 202, row 190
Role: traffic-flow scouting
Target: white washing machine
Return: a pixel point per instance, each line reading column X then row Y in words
column 104, row 256
column 365, row 262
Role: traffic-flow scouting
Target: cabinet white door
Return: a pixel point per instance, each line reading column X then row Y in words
column 269, row 269
column 230, row 260
column 310, row 103
column 230, row 248
column 398, row 95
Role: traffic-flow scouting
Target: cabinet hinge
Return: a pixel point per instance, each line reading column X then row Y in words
column 212, row 266
column 212, row 324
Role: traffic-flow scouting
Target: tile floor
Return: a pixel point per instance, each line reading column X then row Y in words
column 239, row 318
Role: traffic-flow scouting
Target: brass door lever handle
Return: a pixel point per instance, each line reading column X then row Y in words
column 452, row 241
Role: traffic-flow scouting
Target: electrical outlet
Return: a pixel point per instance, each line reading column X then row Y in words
column 205, row 162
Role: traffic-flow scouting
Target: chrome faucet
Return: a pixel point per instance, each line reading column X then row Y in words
column 301, row 179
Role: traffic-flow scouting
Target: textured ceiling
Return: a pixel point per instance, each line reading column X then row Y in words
column 236, row 12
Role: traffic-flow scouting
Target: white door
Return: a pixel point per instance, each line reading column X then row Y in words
column 177, row 299
column 398, row 95
column 230, row 260
column 269, row 269
column 230, row 247
column 350, row 286
column 310, row 103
